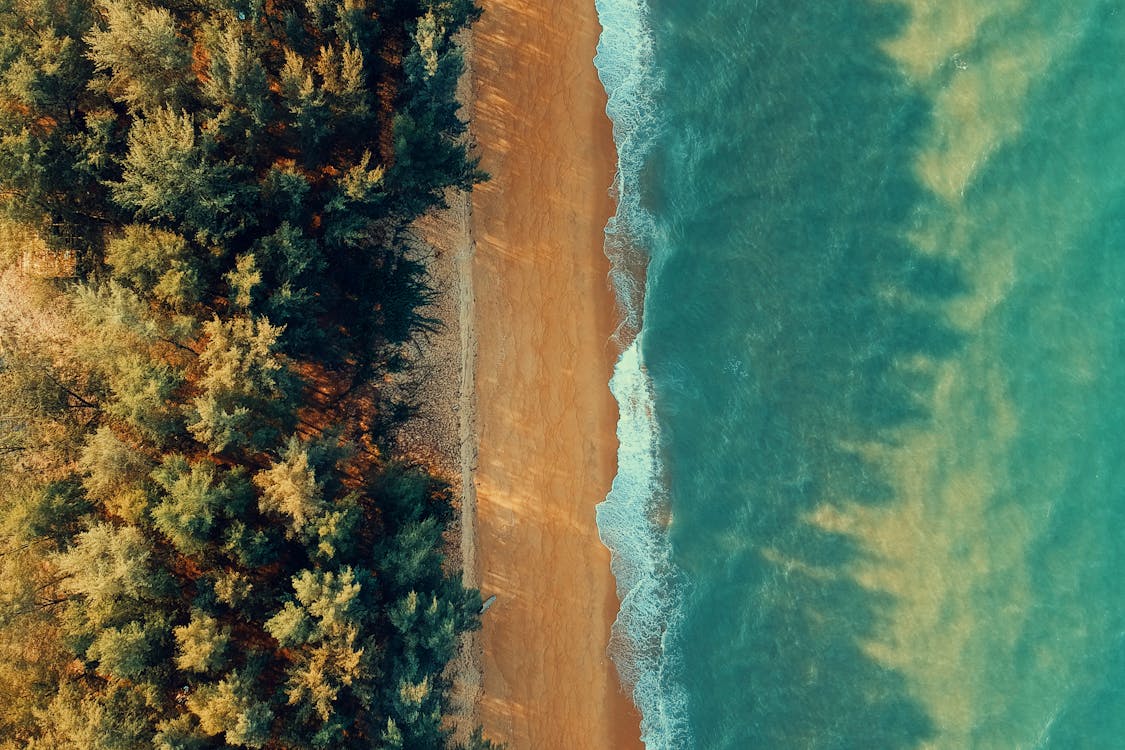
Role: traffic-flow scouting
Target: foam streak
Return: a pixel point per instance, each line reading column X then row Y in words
column 628, row 520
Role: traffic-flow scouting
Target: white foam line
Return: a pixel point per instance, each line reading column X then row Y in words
column 625, row 66
column 648, row 584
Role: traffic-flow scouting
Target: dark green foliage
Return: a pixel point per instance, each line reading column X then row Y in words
column 194, row 501
column 60, row 138
column 428, row 123
column 205, row 542
column 173, row 174
column 238, row 87
column 54, row 512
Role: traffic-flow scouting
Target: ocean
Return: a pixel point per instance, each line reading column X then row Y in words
column 871, row 263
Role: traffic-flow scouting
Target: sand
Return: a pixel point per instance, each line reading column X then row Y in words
column 545, row 421
column 515, row 406
column 440, row 379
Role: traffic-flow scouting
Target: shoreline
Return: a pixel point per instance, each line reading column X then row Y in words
column 530, row 316
column 538, row 317
column 443, row 434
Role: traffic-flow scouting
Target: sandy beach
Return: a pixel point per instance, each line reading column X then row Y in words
column 544, row 417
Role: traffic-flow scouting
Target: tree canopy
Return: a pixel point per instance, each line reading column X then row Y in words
column 206, row 540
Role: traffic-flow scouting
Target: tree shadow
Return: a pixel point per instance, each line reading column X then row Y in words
column 803, row 191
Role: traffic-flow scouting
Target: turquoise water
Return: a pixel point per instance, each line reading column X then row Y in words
column 872, row 483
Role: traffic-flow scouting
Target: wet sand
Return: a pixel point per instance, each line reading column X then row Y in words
column 545, row 419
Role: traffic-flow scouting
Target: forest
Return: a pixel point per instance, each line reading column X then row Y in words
column 206, row 283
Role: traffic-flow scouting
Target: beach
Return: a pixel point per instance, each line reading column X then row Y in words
column 543, row 314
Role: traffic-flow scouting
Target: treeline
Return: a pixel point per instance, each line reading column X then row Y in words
column 204, row 540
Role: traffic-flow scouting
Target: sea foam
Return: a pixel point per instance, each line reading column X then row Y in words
column 631, row 520
column 630, row 525
column 625, row 67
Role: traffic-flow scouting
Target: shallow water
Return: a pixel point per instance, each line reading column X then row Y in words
column 871, row 489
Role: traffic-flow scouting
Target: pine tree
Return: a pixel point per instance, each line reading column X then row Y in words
column 114, row 475
column 172, row 175
column 244, row 387
column 194, row 500
column 202, row 645
column 158, row 264
column 57, row 135
column 144, row 60
column 206, row 528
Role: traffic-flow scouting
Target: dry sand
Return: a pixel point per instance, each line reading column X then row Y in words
column 529, row 436
column 545, row 419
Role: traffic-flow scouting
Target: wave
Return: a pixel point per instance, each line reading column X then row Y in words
column 625, row 66
column 630, row 519
column 630, row 525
